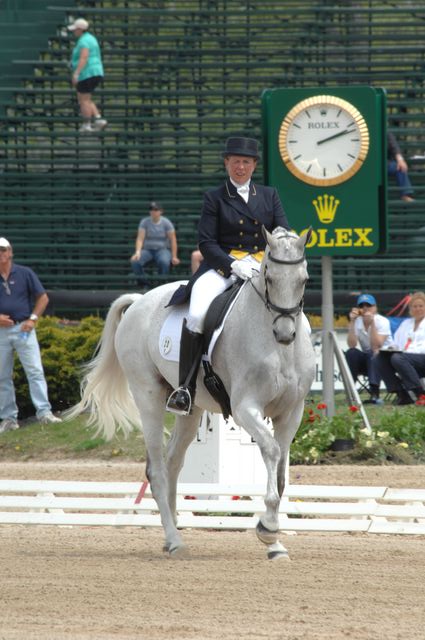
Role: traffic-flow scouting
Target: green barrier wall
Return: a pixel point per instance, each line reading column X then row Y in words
column 181, row 76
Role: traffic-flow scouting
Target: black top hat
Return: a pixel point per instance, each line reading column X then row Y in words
column 241, row 147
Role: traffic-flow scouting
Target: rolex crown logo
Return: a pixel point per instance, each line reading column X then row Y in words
column 326, row 207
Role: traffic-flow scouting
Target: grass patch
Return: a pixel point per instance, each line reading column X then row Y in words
column 70, row 439
column 399, row 437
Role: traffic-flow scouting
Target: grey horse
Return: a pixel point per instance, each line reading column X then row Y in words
column 264, row 357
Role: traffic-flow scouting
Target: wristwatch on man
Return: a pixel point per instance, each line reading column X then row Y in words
column 34, row 317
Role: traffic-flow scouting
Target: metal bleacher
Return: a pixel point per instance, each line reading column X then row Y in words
column 179, row 78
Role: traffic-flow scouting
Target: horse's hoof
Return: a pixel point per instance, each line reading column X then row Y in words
column 265, row 535
column 181, row 552
column 277, row 551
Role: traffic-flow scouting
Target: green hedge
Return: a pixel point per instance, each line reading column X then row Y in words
column 65, row 346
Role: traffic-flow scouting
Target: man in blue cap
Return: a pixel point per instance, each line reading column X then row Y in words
column 368, row 332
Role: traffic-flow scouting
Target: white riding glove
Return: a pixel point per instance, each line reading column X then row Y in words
column 241, row 269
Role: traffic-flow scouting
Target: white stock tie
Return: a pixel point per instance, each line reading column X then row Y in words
column 243, row 191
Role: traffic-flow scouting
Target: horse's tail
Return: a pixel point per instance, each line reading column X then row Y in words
column 105, row 394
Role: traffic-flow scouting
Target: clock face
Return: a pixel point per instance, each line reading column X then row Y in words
column 323, row 140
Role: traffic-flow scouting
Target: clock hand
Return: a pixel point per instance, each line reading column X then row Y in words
column 336, row 135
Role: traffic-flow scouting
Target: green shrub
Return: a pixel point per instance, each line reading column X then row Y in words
column 65, row 346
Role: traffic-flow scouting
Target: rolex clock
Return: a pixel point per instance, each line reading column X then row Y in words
column 325, row 152
column 323, row 140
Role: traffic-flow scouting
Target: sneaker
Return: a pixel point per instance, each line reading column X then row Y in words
column 49, row 418
column 86, row 128
column 99, row 124
column 373, row 400
column 8, row 424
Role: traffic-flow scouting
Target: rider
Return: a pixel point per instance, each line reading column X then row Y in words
column 232, row 244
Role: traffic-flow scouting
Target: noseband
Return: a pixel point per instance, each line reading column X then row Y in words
column 286, row 312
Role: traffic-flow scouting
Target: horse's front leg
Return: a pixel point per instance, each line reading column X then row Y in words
column 251, row 418
column 285, row 428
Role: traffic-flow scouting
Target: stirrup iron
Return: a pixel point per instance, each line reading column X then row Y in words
column 176, row 410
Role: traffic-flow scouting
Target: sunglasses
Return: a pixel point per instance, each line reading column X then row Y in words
column 7, row 288
column 365, row 304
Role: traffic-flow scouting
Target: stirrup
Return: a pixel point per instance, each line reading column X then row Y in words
column 174, row 408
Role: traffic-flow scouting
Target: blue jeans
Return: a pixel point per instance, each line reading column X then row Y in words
column 402, row 178
column 29, row 354
column 161, row 258
column 409, row 366
column 363, row 363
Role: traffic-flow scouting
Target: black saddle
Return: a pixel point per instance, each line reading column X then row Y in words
column 215, row 315
column 217, row 311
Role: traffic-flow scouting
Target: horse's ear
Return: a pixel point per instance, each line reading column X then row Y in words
column 306, row 237
column 266, row 234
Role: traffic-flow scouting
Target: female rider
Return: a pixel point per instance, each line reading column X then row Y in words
column 232, row 244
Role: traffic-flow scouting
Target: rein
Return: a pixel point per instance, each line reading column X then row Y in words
column 287, row 312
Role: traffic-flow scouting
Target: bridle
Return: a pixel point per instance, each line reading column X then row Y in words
column 286, row 312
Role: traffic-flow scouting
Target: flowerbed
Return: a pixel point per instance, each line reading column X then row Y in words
column 397, row 436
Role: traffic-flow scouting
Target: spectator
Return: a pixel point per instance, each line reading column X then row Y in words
column 403, row 366
column 22, row 301
column 195, row 260
column 397, row 167
column 87, row 73
column 371, row 332
column 156, row 242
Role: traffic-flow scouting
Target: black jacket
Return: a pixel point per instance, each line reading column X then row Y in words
column 228, row 222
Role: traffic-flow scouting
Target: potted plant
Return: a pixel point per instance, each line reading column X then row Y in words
column 343, row 427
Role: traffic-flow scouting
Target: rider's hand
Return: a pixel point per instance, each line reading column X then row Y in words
column 241, row 269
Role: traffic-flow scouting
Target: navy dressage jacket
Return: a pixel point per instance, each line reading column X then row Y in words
column 228, row 222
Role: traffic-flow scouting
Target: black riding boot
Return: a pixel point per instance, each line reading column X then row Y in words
column 181, row 400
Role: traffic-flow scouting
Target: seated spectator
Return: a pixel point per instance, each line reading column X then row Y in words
column 397, row 167
column 195, row 260
column 403, row 366
column 371, row 332
column 156, row 242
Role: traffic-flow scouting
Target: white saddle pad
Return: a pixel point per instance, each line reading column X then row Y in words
column 169, row 337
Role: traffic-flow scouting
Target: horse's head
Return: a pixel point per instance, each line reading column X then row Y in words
column 284, row 270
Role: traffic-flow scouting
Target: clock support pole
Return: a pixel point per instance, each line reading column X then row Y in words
column 327, row 329
column 330, row 348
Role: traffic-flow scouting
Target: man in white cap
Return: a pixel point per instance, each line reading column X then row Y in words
column 87, row 73
column 23, row 299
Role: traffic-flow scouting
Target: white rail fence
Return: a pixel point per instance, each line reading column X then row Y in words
column 212, row 505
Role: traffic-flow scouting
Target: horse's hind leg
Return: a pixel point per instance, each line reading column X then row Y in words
column 151, row 403
column 183, row 433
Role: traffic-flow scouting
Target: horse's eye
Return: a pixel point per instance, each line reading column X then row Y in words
column 269, row 279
